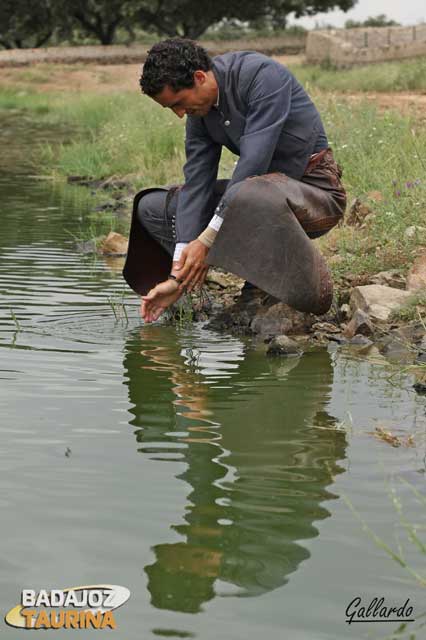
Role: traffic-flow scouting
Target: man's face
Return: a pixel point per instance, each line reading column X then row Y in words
column 195, row 101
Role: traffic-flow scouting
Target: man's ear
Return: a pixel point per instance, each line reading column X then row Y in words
column 199, row 77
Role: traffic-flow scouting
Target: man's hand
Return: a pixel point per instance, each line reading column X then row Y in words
column 158, row 299
column 191, row 269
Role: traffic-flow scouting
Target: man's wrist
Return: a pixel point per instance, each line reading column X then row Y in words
column 207, row 237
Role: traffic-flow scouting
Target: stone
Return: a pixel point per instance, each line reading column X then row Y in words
column 114, row 245
column 420, row 388
column 224, row 280
column 283, row 346
column 361, row 341
column 378, row 301
column 114, row 183
column 358, row 212
column 416, row 279
column 391, row 278
column 325, row 327
column 413, row 333
column 360, row 324
column 86, row 246
column 413, row 231
column 397, row 351
column 281, row 319
column 345, row 311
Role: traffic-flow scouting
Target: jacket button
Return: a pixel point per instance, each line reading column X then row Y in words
column 227, row 123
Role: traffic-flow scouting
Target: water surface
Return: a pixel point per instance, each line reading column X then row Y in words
column 211, row 481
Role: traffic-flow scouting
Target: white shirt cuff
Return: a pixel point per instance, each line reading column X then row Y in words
column 216, row 222
column 178, row 250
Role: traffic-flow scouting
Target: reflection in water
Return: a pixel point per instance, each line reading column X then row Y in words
column 260, row 452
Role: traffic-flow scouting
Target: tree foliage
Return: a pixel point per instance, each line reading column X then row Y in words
column 26, row 23
column 373, row 21
column 100, row 18
column 30, row 23
column 191, row 18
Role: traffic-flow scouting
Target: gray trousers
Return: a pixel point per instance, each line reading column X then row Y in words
column 157, row 211
column 318, row 201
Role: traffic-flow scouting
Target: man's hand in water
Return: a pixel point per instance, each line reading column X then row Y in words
column 191, row 268
column 159, row 298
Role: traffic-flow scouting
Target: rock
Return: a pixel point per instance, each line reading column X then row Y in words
column 115, row 263
column 113, row 183
column 114, row 245
column 360, row 324
column 413, row 333
column 361, row 341
column 107, row 206
column 421, row 357
column 345, row 311
column 261, row 315
column 86, row 246
column 413, row 231
column 378, row 301
column 420, row 388
column 416, row 279
column 397, row 351
column 283, row 346
column 224, row 280
column 325, row 327
column 280, row 319
column 85, row 181
column 392, row 278
column 358, row 212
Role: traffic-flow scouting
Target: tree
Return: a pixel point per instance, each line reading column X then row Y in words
column 373, row 21
column 100, row 18
column 191, row 18
column 26, row 23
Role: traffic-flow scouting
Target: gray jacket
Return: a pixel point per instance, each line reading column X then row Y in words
column 264, row 116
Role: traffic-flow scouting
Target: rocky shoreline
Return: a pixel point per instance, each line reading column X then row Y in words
column 364, row 315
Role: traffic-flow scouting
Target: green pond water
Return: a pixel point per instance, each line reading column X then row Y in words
column 181, row 463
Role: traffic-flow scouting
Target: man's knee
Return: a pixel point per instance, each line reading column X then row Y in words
column 247, row 192
column 151, row 208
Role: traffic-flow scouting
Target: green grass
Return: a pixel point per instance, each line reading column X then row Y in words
column 25, row 101
column 413, row 310
column 117, row 135
column 407, row 75
column 381, row 153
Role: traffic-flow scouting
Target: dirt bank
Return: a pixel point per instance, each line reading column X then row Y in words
column 120, row 54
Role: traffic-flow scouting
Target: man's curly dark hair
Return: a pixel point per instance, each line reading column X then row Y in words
column 173, row 62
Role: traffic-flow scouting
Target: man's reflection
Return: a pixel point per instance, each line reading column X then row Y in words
column 260, row 449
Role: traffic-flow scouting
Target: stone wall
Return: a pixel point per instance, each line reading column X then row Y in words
column 346, row 47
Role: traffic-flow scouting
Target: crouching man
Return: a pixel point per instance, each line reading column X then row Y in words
column 285, row 188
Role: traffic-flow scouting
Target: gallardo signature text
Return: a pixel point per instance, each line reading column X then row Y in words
column 377, row 611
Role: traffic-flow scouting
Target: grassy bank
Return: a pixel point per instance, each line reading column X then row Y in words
column 406, row 75
column 382, row 155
